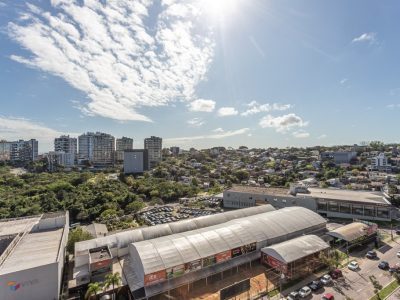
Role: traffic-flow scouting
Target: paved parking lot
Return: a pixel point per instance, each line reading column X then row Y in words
column 356, row 284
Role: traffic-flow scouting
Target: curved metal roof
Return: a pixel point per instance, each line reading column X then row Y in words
column 296, row 248
column 350, row 232
column 265, row 228
column 123, row 239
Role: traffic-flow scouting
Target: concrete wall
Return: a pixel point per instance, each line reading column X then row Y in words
column 34, row 284
column 239, row 200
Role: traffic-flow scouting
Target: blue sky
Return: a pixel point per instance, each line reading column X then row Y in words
column 201, row 73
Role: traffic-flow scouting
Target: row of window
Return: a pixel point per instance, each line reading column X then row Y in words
column 240, row 204
column 355, row 209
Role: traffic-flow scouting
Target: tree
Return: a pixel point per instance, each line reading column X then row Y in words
column 77, row 235
column 93, row 289
column 112, row 280
column 134, row 206
column 377, row 286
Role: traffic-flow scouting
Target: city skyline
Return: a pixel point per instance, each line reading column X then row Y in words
column 200, row 74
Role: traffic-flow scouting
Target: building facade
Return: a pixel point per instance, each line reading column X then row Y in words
column 5, row 150
column 380, row 163
column 122, row 144
column 330, row 203
column 67, row 145
column 97, row 148
column 24, row 151
column 136, row 161
column 154, row 146
column 174, row 150
column 339, row 157
column 85, row 147
column 55, row 159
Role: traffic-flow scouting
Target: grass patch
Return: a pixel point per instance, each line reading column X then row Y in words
column 386, row 291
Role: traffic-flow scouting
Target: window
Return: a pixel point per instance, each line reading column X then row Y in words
column 333, row 206
column 369, row 211
column 358, row 210
column 322, row 205
column 383, row 213
column 345, row 208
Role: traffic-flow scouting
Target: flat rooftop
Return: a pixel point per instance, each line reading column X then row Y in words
column 35, row 249
column 260, row 190
column 15, row 226
column 328, row 194
column 356, row 196
column 99, row 255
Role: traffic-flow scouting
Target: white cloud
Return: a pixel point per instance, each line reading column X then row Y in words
column 107, row 50
column 282, row 123
column 322, row 136
column 196, row 122
column 218, row 130
column 343, row 81
column 13, row 128
column 368, row 37
column 220, row 135
column 255, row 108
column 227, row 111
column 202, row 105
column 301, row 134
column 392, row 106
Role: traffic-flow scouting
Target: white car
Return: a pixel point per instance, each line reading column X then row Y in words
column 304, row 292
column 326, row 279
column 353, row 265
column 398, row 254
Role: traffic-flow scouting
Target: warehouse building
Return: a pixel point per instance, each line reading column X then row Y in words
column 165, row 263
column 32, row 252
column 331, row 203
column 297, row 257
column 118, row 243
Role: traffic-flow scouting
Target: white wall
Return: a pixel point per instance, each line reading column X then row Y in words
column 36, row 284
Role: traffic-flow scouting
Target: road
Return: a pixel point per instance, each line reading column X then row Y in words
column 357, row 285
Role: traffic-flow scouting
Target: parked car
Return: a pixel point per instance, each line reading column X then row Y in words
column 398, row 254
column 293, row 296
column 395, row 268
column 353, row 265
column 384, row 265
column 335, row 274
column 398, row 231
column 304, row 291
column 328, row 296
column 315, row 285
column 326, row 279
column 371, row 255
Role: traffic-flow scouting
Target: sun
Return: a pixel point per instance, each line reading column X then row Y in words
column 219, row 8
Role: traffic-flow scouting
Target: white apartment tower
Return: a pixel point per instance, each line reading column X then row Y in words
column 67, row 147
column 154, row 146
column 123, row 144
column 97, row 148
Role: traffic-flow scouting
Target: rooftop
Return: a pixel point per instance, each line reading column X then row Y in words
column 99, row 254
column 35, row 249
column 17, row 225
column 296, row 249
column 358, row 196
column 260, row 190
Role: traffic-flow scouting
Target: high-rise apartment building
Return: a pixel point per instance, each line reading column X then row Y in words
column 24, row 151
column 5, row 150
column 122, row 144
column 97, row 148
column 67, row 145
column 154, row 146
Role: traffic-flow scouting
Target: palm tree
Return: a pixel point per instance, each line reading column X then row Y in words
column 93, row 289
column 113, row 279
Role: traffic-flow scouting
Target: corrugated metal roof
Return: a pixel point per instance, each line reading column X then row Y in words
column 161, row 253
column 350, row 232
column 123, row 239
column 296, row 248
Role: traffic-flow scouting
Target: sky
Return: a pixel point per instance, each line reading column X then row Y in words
column 201, row 73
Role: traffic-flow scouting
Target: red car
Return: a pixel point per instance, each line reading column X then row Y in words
column 328, row 296
column 335, row 274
